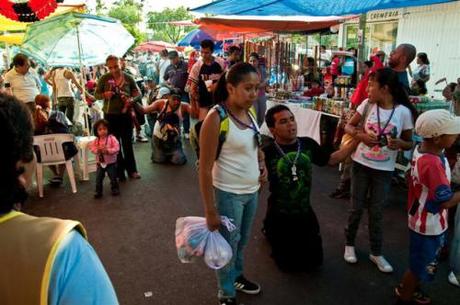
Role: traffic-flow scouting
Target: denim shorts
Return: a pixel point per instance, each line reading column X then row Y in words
column 424, row 254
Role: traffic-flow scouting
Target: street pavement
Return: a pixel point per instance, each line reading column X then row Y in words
column 134, row 237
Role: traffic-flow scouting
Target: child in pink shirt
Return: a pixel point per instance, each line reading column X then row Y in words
column 106, row 148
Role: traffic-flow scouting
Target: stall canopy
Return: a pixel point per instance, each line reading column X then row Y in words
column 305, row 7
column 12, row 32
column 253, row 25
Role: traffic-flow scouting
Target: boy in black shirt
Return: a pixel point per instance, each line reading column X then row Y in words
column 291, row 225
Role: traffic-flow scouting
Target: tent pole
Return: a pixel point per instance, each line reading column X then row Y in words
column 82, row 79
column 361, row 40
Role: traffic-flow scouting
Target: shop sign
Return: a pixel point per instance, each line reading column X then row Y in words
column 383, row 15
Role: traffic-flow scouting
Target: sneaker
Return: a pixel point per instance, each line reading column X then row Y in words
column 141, row 139
column 383, row 265
column 453, row 279
column 350, row 256
column 115, row 192
column 187, row 136
column 419, row 297
column 97, row 195
column 227, row 301
column 243, row 285
column 135, row 175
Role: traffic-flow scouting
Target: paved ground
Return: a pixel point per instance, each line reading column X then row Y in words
column 134, row 236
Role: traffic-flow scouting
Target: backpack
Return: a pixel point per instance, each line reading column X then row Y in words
column 223, row 130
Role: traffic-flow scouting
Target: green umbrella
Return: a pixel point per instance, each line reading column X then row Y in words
column 75, row 39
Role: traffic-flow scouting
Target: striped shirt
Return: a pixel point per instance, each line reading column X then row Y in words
column 429, row 187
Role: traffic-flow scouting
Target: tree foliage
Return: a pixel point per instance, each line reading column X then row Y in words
column 157, row 21
column 129, row 13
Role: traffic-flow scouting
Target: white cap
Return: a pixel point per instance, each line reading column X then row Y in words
column 163, row 91
column 435, row 123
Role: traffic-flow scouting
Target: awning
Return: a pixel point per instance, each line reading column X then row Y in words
column 305, row 7
column 246, row 25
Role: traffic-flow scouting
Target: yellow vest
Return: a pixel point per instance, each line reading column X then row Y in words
column 28, row 247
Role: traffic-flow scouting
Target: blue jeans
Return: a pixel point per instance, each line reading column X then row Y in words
column 242, row 210
column 455, row 247
column 376, row 183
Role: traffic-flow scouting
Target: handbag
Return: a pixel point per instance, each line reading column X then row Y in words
column 348, row 139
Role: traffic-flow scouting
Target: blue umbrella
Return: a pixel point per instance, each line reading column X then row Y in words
column 194, row 38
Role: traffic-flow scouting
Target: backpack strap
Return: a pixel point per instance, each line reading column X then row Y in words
column 224, row 127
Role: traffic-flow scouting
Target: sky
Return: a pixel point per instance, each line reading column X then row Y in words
column 151, row 5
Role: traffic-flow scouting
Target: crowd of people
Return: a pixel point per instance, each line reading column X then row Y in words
column 220, row 105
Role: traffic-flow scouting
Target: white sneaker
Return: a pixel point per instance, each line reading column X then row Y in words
column 381, row 263
column 453, row 279
column 350, row 256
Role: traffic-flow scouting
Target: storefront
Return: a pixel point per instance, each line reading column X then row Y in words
column 381, row 31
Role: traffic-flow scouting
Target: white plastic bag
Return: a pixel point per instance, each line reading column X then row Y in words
column 193, row 239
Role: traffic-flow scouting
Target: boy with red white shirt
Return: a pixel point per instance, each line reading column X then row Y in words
column 430, row 196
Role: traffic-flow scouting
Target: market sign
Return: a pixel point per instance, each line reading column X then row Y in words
column 383, row 15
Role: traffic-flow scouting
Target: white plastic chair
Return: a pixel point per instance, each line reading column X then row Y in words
column 52, row 153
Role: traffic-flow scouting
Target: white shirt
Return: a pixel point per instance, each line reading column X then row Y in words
column 162, row 65
column 237, row 168
column 63, row 87
column 382, row 158
column 24, row 87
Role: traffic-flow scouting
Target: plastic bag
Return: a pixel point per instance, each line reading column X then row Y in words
column 193, row 239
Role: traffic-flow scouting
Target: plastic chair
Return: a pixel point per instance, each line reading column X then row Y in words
column 52, row 153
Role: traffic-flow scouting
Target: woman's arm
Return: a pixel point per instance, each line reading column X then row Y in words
column 209, row 140
column 358, row 134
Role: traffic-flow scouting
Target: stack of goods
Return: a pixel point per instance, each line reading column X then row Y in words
column 335, row 107
column 424, row 103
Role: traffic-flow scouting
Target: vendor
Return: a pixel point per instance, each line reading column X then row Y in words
column 315, row 90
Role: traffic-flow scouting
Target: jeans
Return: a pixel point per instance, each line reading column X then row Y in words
column 162, row 154
column 242, row 210
column 364, row 181
column 121, row 126
column 455, row 246
column 111, row 170
column 66, row 104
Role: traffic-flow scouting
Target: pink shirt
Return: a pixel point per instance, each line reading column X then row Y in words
column 112, row 145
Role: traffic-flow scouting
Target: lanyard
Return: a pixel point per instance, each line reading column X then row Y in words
column 253, row 125
column 293, row 162
column 381, row 131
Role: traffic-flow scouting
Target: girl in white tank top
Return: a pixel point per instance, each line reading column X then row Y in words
column 230, row 180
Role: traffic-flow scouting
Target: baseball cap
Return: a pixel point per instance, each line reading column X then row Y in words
column 435, row 123
column 163, row 91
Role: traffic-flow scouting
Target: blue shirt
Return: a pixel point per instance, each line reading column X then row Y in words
column 404, row 80
column 78, row 276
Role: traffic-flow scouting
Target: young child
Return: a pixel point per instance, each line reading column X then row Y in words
column 430, row 196
column 106, row 148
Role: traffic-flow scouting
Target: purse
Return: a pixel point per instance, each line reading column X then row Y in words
column 348, row 139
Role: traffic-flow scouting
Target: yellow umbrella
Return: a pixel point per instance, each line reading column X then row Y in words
column 15, row 39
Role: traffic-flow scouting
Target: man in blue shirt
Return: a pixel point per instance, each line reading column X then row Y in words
column 400, row 59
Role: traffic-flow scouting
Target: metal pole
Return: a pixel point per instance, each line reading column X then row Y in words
column 361, row 40
column 82, row 78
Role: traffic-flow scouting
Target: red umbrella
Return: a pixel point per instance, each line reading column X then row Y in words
column 154, row 46
column 29, row 11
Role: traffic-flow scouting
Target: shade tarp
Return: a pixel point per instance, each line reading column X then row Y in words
column 15, row 39
column 8, row 25
column 154, row 46
column 264, row 25
column 306, row 7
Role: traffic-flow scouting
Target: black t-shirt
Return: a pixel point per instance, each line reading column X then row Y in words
column 208, row 72
column 287, row 194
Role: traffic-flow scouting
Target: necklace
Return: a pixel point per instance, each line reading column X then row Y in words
column 253, row 125
column 293, row 162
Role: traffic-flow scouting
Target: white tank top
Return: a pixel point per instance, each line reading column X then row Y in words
column 237, row 169
column 63, row 88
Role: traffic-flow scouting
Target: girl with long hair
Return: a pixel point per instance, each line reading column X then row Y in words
column 230, row 176
column 386, row 128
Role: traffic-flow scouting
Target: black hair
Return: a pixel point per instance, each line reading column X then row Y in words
column 270, row 115
column 388, row 77
column 421, row 87
column 369, row 63
column 99, row 123
column 423, row 57
column 17, row 138
column 112, row 57
column 207, row 44
column 255, row 55
column 173, row 54
column 19, row 60
column 233, row 49
column 452, row 86
column 234, row 76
